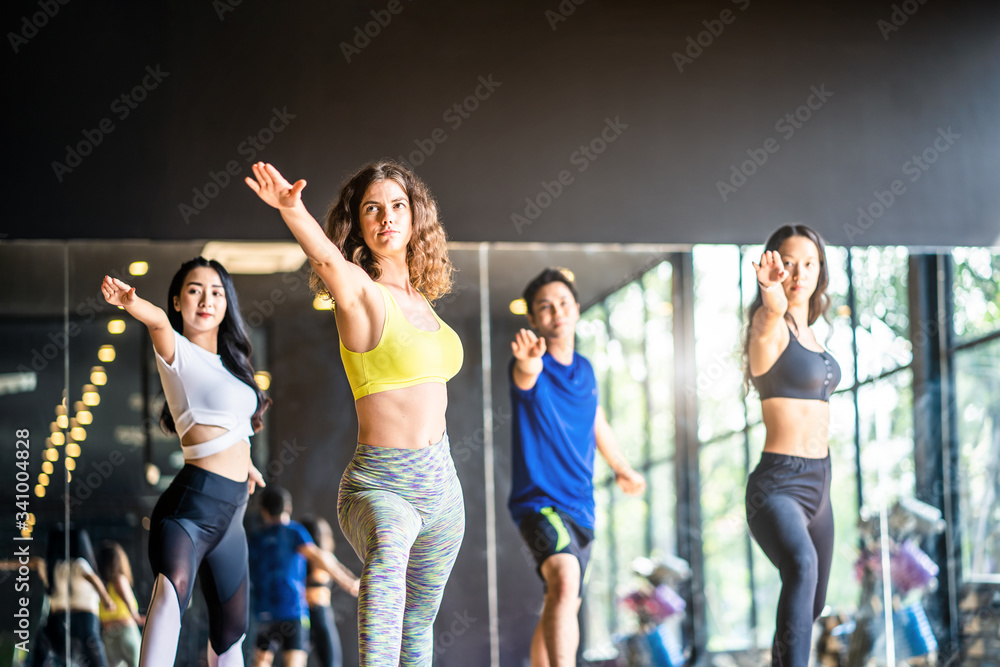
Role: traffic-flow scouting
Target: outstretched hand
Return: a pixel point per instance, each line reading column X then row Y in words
column 526, row 345
column 770, row 271
column 117, row 293
column 273, row 188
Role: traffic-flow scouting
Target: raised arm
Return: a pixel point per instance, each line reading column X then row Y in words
column 117, row 293
column 767, row 331
column 346, row 281
column 630, row 481
column 96, row 582
column 125, row 593
column 324, row 560
column 528, row 350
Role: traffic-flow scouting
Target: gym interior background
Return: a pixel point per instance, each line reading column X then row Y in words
column 648, row 147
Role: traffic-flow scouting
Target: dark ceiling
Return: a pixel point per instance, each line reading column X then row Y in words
column 625, row 121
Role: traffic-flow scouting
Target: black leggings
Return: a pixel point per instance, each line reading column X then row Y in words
column 197, row 528
column 85, row 640
column 790, row 516
column 324, row 638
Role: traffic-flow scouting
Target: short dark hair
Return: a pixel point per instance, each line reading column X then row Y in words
column 548, row 275
column 276, row 500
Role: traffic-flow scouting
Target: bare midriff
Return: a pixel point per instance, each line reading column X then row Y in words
column 317, row 589
column 408, row 418
column 796, row 427
column 232, row 462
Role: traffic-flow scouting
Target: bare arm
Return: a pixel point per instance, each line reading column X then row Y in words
column 528, row 350
column 346, row 281
column 125, row 593
column 117, row 293
column 101, row 590
column 324, row 560
column 630, row 481
column 767, row 331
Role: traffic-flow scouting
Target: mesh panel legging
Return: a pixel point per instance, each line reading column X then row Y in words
column 789, row 514
column 402, row 510
column 197, row 528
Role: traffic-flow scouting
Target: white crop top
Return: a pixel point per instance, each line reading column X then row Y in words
column 200, row 390
column 70, row 589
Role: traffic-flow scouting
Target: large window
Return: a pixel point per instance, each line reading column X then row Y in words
column 630, row 336
column 976, row 280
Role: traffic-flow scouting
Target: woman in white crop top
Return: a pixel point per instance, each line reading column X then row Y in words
column 214, row 405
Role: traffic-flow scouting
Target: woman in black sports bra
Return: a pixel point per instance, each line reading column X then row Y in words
column 788, row 494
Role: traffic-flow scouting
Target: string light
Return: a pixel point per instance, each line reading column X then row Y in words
column 263, row 380
column 98, row 376
column 138, row 268
column 90, row 395
column 106, row 353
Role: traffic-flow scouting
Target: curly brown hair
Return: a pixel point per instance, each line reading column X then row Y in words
column 427, row 252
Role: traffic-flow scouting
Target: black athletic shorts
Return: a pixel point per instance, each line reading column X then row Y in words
column 552, row 531
column 283, row 636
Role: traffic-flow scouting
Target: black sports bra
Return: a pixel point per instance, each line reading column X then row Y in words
column 799, row 373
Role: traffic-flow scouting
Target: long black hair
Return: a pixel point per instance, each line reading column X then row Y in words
column 819, row 302
column 234, row 344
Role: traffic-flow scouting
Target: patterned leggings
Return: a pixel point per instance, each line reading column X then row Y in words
column 403, row 512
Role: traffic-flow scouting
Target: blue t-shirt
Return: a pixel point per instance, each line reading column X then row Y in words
column 553, row 441
column 278, row 572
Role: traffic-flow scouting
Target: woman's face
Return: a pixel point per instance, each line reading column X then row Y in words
column 202, row 301
column 800, row 257
column 386, row 218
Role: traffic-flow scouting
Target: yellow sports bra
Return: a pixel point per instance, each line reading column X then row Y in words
column 404, row 356
column 122, row 611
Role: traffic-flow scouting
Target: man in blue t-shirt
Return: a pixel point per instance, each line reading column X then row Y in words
column 278, row 557
column 558, row 423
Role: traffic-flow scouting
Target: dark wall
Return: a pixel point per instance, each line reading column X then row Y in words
column 894, row 78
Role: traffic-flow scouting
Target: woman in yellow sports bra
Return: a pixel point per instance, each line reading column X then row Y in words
column 382, row 259
column 120, row 627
